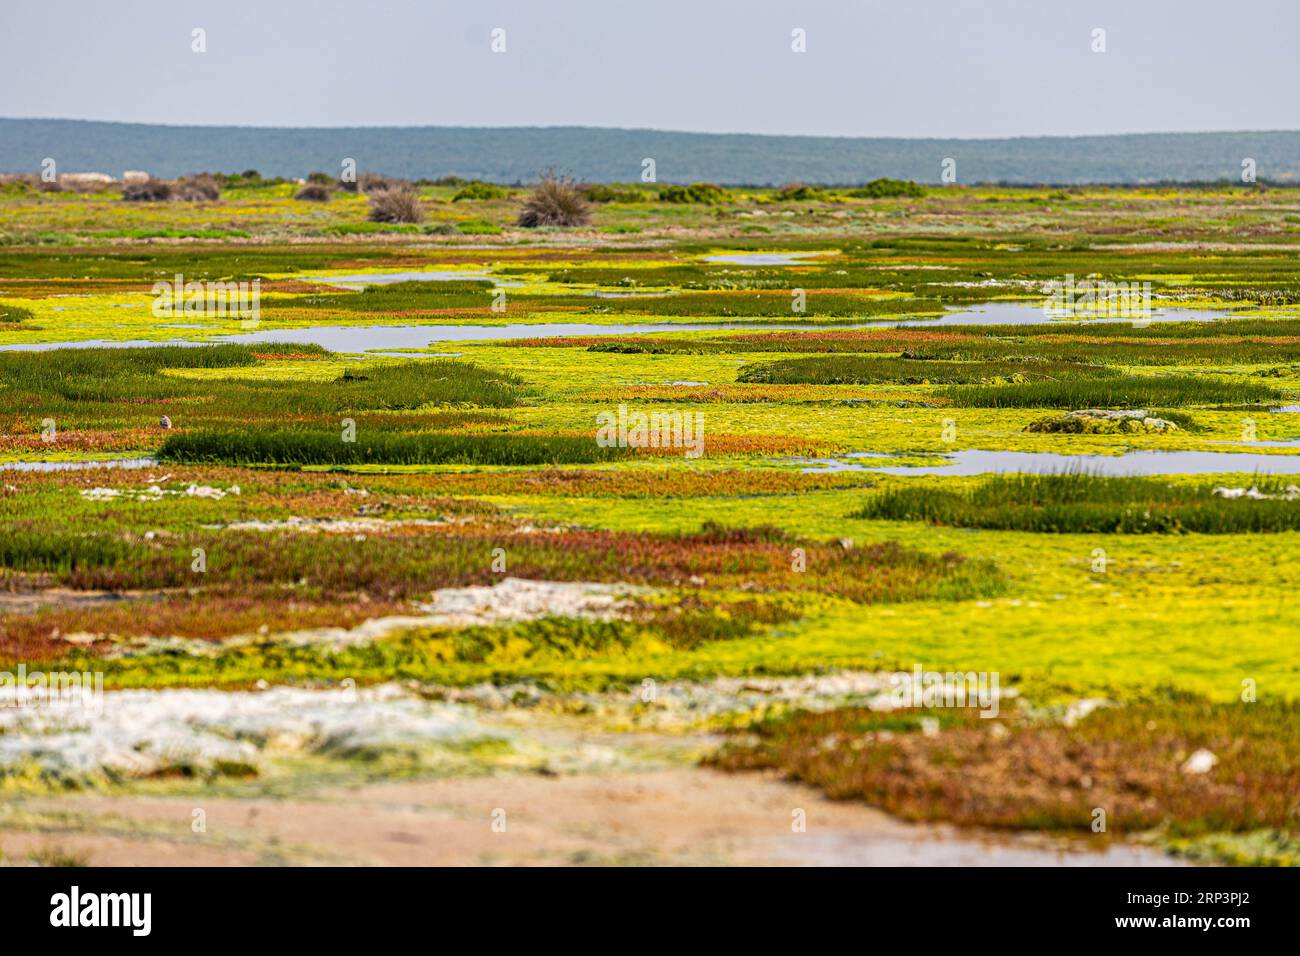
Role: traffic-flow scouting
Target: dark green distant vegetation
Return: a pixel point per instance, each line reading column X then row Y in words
column 888, row 189
column 477, row 190
column 600, row 192
column 705, row 194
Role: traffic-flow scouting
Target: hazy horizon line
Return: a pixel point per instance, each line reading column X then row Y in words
column 648, row 129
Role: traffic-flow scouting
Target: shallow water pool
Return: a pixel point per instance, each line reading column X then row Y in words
column 978, row 462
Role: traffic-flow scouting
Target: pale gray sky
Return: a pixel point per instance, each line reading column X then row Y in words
column 872, row 68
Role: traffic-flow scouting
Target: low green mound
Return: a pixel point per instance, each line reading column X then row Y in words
column 1090, row 504
column 256, row 447
column 12, row 314
column 885, row 188
column 705, row 194
column 1126, row 391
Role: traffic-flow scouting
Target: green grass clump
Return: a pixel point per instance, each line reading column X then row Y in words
column 885, row 188
column 10, row 314
column 869, row 370
column 171, row 233
column 477, row 191
column 478, row 227
column 95, row 390
column 86, row 385
column 24, row 547
column 396, row 297
column 287, row 447
column 1111, row 352
column 1127, row 391
column 799, row 192
column 416, row 384
column 704, row 194
column 605, row 192
column 1087, row 504
column 112, row 374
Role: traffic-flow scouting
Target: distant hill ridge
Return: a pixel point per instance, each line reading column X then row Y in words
column 511, row 154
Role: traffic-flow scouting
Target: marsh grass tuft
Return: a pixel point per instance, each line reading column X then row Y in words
column 555, row 201
column 1081, row 503
column 1127, row 391
column 313, row 192
column 285, row 447
column 396, row 204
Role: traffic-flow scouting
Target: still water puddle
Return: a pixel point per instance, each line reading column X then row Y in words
column 759, row 258
column 978, row 462
column 1034, row 313
column 363, row 338
column 77, row 465
column 388, row 278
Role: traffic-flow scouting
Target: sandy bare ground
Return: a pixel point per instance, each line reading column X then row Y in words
column 682, row 816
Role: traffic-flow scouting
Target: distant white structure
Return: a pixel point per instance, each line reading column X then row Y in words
column 82, row 180
column 135, row 176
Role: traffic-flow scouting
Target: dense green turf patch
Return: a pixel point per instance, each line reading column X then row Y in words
column 1221, row 351
column 60, row 366
column 870, row 370
column 395, row 297
column 1128, row 391
column 85, row 387
column 11, row 314
column 1088, row 504
column 262, row 447
column 885, row 188
column 1240, row 341
column 422, row 382
column 195, row 261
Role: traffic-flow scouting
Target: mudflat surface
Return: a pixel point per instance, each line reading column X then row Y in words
column 683, row 816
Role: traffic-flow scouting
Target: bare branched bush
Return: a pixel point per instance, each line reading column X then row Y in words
column 555, row 201
column 313, row 192
column 400, row 203
column 151, row 190
column 376, row 183
column 201, row 188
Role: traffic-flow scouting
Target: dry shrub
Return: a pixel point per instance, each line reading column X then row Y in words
column 398, row 203
column 151, row 190
column 377, row 183
column 200, row 188
column 555, row 201
column 313, row 192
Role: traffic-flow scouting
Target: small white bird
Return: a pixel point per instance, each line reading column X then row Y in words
column 164, row 422
column 1202, row 761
